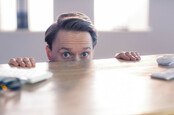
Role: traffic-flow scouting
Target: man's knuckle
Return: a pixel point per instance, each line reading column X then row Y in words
column 19, row 58
column 32, row 58
column 25, row 58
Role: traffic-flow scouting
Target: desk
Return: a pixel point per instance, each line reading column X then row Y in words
column 99, row 87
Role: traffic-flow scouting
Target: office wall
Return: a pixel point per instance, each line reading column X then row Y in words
column 159, row 40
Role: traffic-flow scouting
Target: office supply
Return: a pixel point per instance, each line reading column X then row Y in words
column 11, row 83
column 165, row 60
column 25, row 75
column 165, row 75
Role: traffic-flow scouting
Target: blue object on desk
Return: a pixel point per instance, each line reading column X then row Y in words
column 165, row 60
column 10, row 83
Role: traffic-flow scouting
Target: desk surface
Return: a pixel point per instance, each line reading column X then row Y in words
column 99, row 87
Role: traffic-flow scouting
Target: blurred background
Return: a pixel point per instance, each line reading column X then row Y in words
column 145, row 26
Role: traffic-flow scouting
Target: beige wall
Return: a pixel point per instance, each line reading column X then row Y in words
column 159, row 40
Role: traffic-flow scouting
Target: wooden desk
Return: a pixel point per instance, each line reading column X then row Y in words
column 100, row 87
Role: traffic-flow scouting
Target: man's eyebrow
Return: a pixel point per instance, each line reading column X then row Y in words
column 87, row 48
column 64, row 48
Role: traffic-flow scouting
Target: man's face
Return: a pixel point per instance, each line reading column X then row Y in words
column 71, row 46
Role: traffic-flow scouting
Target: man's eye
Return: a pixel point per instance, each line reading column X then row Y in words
column 84, row 54
column 66, row 54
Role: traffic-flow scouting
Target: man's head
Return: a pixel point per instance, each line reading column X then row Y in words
column 71, row 38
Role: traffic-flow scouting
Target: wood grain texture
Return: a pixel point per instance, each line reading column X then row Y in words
column 99, row 87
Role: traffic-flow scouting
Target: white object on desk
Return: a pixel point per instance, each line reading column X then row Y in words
column 166, row 75
column 26, row 75
column 165, row 60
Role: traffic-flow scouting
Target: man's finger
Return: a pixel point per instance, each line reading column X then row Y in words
column 32, row 60
column 13, row 62
column 27, row 62
column 20, row 62
column 122, row 56
column 138, row 56
column 130, row 56
column 134, row 54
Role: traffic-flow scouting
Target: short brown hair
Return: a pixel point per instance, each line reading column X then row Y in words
column 74, row 21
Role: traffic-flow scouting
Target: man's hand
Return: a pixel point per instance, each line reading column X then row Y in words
column 22, row 62
column 128, row 56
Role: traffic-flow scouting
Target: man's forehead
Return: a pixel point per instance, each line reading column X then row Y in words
column 75, row 42
column 73, row 37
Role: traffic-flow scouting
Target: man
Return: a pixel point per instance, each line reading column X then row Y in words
column 72, row 37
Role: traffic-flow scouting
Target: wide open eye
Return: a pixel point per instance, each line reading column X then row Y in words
column 84, row 54
column 66, row 55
